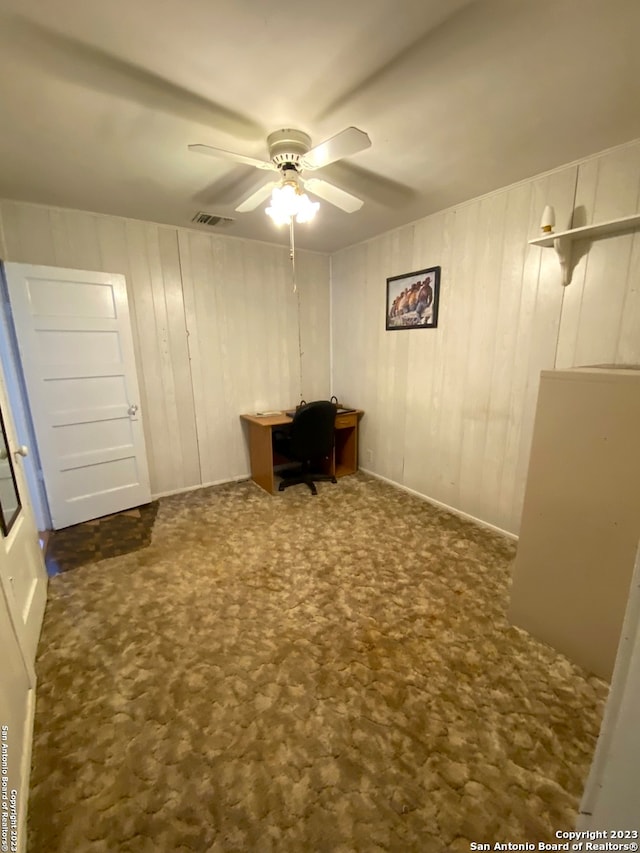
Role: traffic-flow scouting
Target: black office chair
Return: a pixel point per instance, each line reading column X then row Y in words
column 309, row 440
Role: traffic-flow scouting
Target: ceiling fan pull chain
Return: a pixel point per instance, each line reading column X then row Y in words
column 292, row 255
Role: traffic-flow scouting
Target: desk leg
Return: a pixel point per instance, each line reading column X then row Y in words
column 261, row 456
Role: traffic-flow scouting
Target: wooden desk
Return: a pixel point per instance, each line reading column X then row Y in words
column 344, row 459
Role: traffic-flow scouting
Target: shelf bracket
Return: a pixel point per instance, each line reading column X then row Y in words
column 562, row 246
column 562, row 242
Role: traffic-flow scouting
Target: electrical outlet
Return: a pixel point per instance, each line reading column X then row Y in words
column 369, row 457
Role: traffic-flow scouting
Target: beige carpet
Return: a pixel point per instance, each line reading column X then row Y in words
column 298, row 673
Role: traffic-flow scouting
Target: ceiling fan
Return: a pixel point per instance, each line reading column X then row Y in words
column 291, row 154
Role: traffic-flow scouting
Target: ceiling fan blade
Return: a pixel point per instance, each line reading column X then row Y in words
column 230, row 188
column 257, row 197
column 343, row 144
column 344, row 200
column 232, row 155
column 368, row 185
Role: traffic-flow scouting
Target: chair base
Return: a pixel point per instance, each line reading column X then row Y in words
column 296, row 478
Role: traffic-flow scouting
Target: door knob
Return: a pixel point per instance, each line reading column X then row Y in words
column 23, row 450
column 133, row 409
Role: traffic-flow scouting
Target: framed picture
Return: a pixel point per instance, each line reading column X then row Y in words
column 412, row 300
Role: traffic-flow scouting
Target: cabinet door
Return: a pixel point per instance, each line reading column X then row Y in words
column 581, row 517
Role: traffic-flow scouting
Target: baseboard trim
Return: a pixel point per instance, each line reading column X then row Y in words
column 465, row 515
column 440, row 505
column 186, row 489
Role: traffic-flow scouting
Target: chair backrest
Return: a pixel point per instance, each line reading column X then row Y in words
column 312, row 431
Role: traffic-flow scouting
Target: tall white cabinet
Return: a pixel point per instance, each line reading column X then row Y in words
column 581, row 516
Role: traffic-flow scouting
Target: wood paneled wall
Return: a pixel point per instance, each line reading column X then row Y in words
column 215, row 328
column 601, row 308
column 242, row 315
column 449, row 411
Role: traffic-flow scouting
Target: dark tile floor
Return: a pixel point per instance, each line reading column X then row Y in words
column 100, row 538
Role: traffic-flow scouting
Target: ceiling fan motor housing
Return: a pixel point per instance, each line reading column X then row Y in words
column 287, row 147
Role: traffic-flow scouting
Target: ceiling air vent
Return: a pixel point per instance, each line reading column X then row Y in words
column 211, row 219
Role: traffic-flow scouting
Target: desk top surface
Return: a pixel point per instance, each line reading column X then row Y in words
column 279, row 418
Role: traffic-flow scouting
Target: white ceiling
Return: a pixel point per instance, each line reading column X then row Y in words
column 99, row 100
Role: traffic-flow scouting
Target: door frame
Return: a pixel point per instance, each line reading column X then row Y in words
column 18, row 402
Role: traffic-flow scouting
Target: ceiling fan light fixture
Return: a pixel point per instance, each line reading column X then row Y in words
column 288, row 202
column 307, row 209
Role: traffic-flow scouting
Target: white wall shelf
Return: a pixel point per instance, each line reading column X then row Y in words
column 561, row 240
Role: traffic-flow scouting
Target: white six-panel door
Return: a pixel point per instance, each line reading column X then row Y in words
column 76, row 350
